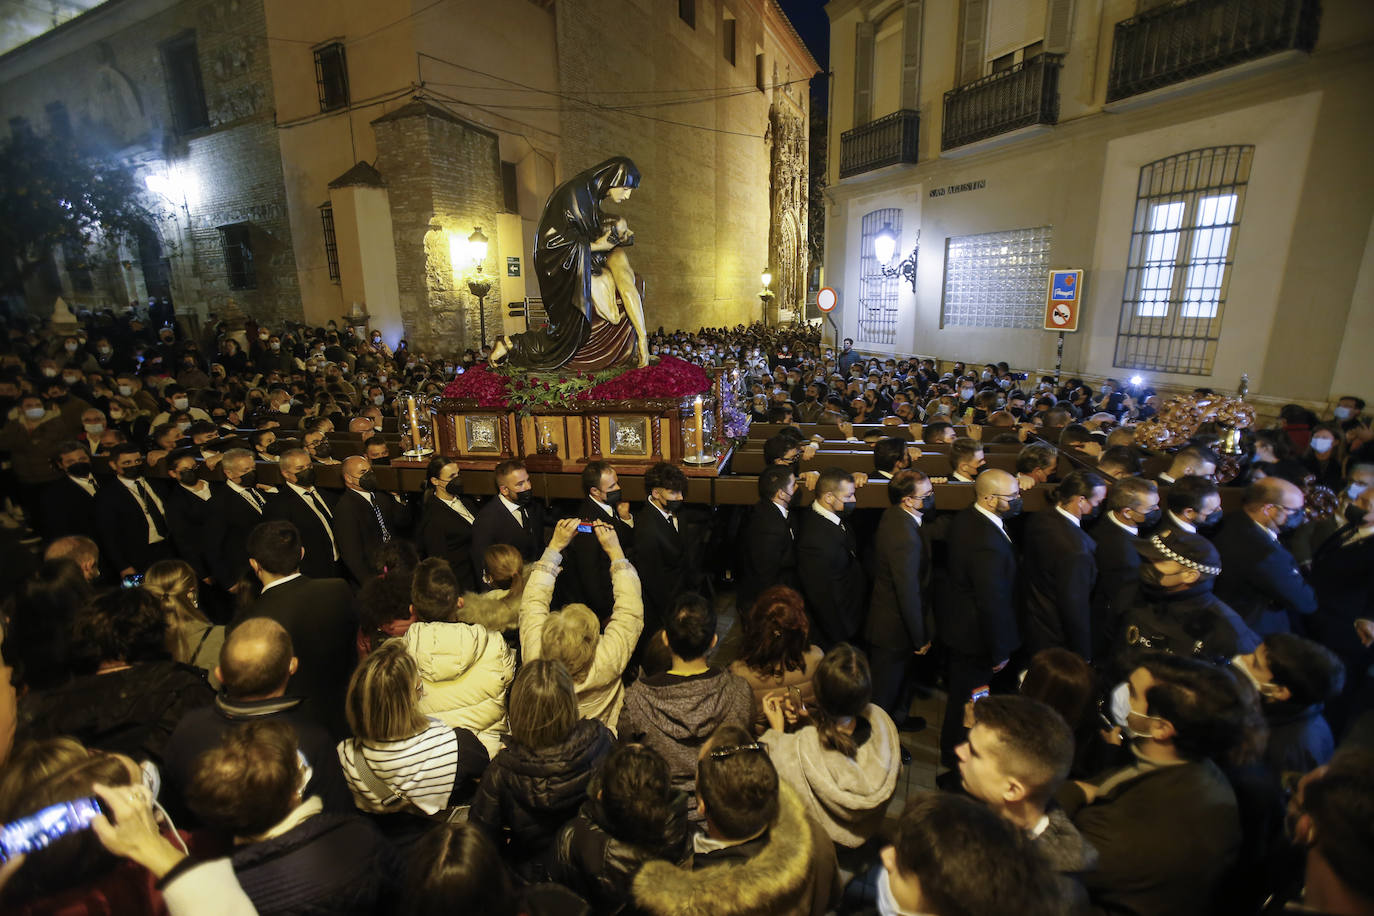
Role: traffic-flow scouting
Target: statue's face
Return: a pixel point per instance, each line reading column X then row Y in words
column 620, row 194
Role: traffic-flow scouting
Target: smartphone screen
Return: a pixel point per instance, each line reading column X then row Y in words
column 133, row 581
column 584, row 528
column 41, row 829
column 979, row 693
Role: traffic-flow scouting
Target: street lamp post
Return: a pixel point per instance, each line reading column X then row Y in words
column 478, row 283
column 765, row 294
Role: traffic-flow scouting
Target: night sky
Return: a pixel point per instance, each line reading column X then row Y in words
column 810, row 19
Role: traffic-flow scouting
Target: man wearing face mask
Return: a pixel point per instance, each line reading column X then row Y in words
column 1259, row 578
column 766, row 549
column 310, row 509
column 1295, row 677
column 365, row 518
column 446, row 521
column 1059, row 568
column 68, row 503
column 1175, row 610
column 177, row 399
column 1166, row 826
column 832, row 578
column 1345, row 594
column 131, row 515
column 190, row 512
column 239, row 506
column 1132, row 510
column 514, row 517
column 1194, row 506
column 588, row 581
column 900, row 625
column 664, row 545
column 977, row 621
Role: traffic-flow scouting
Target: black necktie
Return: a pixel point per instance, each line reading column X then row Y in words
column 159, row 521
column 381, row 522
column 320, row 505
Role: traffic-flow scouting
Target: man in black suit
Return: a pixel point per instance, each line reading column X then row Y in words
column 977, row 623
column 190, row 512
column 131, row 515
column 513, row 517
column 446, row 522
column 67, row 506
column 317, row 613
column 310, row 509
column 1345, row 595
column 832, row 579
column 1132, row 508
column 365, row 518
column 767, row 552
column 239, row 504
column 900, row 625
column 1192, row 504
column 1058, row 569
column 1259, row 578
column 590, row 578
column 662, row 547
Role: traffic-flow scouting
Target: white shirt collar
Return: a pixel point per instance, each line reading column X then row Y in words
column 202, row 493
column 300, row 491
column 456, row 504
column 1167, row 479
column 780, row 507
column 996, row 519
column 604, row 507
column 959, row 476
column 277, row 582
column 1122, row 525
column 1077, row 523
column 887, row 475
column 667, row 516
column 1181, row 523
column 824, row 513
column 1266, row 529
column 914, row 517
column 512, row 508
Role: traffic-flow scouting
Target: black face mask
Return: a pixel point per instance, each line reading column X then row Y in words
column 1354, row 514
column 847, row 508
column 1092, row 514
column 188, row 478
column 1013, row 508
column 305, row 478
column 613, row 498
column 1152, row 517
column 673, row 506
column 249, row 481
column 132, row 473
column 795, row 467
column 524, row 498
column 927, row 505
column 80, row 469
column 368, row 482
column 1293, row 520
column 323, row 450
column 381, row 461
column 454, row 487
column 1209, row 522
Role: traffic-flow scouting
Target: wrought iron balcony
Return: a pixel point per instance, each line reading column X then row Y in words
column 887, row 141
column 1026, row 94
column 1176, row 43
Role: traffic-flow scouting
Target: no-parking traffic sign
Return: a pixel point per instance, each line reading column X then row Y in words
column 1062, row 300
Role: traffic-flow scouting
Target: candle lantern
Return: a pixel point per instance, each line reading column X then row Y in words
column 698, row 430
column 412, row 418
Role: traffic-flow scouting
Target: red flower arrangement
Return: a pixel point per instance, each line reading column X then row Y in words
column 668, row 378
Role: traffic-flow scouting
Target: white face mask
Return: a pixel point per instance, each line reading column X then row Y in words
column 1343, row 413
column 93, row 429
column 1353, row 491
column 34, row 413
column 180, row 403
column 1322, row 445
column 1120, row 701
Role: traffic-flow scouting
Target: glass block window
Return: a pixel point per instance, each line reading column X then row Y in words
column 997, row 279
column 1183, row 240
column 877, row 292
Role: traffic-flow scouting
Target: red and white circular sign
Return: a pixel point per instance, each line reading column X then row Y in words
column 826, row 299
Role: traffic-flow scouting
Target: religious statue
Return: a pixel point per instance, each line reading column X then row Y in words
column 594, row 301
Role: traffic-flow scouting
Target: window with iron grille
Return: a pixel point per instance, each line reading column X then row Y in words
column 877, row 292
column 185, row 91
column 331, row 76
column 331, row 244
column 1183, row 242
column 238, row 256
column 997, row 279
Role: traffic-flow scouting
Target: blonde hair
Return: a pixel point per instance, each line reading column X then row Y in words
column 172, row 582
column 543, row 704
column 382, row 702
column 506, row 567
column 570, row 637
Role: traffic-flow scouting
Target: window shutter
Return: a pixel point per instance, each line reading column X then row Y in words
column 911, row 54
column 863, row 73
column 1058, row 26
column 973, row 24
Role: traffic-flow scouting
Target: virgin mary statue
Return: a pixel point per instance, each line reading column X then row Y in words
column 584, row 276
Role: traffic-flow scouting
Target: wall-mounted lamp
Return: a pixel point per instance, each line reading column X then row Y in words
column 885, row 248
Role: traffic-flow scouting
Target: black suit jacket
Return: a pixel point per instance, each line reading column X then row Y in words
column 1057, row 576
column 587, row 570
column 67, row 509
column 323, row 623
column 832, row 579
column 1345, row 591
column 358, row 534
column 667, row 564
column 767, row 552
column 123, row 527
column 898, row 616
column 192, row 522
column 496, row 525
column 979, row 618
column 1259, row 578
column 444, row 533
column 1118, row 580
column 233, row 519
column 287, row 505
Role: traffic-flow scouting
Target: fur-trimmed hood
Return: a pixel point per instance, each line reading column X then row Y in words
column 779, row 879
column 496, row 610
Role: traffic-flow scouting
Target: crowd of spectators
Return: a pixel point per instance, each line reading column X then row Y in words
column 330, row 695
